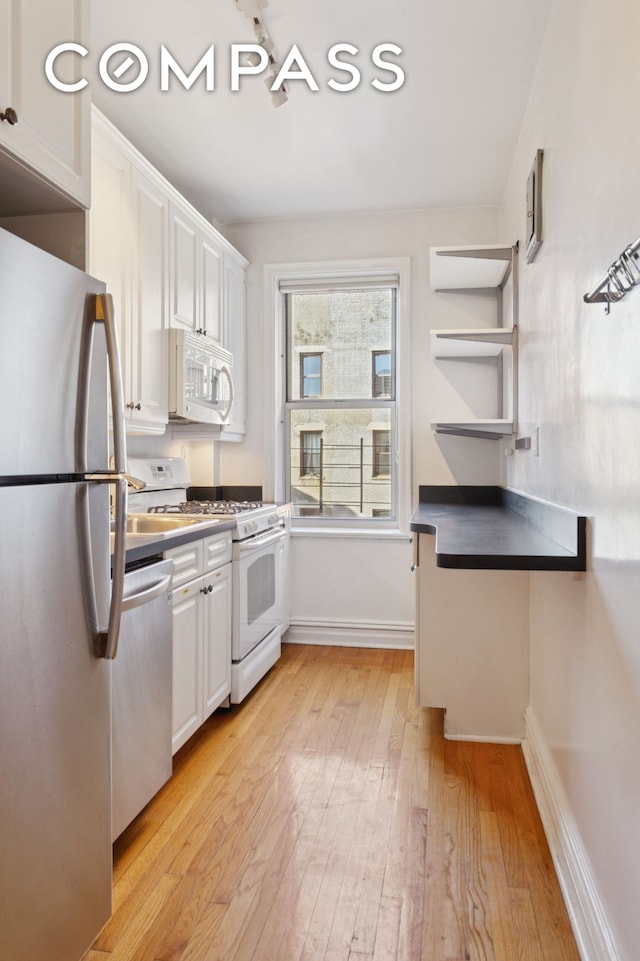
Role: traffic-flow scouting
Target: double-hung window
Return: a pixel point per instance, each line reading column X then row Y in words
column 340, row 398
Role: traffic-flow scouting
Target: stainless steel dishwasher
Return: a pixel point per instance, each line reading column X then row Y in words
column 141, row 693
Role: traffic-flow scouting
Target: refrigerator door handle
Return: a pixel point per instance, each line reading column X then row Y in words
column 107, row 641
column 105, row 315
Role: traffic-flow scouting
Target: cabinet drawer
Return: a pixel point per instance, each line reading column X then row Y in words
column 217, row 550
column 187, row 562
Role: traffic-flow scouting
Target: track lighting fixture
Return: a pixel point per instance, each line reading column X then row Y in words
column 252, row 10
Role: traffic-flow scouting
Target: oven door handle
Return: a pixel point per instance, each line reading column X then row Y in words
column 262, row 540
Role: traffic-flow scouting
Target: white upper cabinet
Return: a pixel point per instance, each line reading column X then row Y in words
column 211, row 312
column 196, row 274
column 149, row 296
column 52, row 135
column 165, row 267
column 184, row 268
column 128, row 250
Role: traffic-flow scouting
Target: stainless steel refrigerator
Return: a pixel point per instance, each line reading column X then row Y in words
column 59, row 617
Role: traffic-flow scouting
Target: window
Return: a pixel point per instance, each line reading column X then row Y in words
column 381, row 453
column 310, row 375
column 340, row 404
column 310, row 453
column 381, row 366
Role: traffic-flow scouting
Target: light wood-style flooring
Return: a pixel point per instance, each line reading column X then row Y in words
column 326, row 819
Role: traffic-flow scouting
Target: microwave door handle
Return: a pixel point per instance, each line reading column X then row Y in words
column 227, row 373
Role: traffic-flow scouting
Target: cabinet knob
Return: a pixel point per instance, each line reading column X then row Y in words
column 10, row 116
column 132, row 406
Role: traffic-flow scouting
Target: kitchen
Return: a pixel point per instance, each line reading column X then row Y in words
column 575, row 365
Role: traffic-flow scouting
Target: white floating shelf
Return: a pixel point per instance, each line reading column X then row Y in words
column 471, row 342
column 493, row 429
column 457, row 268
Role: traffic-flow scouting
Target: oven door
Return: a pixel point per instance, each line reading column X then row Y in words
column 258, row 565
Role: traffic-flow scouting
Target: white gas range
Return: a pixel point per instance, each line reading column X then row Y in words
column 257, row 569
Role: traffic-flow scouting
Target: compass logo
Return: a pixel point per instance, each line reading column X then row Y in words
column 124, row 67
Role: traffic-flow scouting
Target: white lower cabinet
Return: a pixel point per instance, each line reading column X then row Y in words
column 472, row 647
column 201, row 632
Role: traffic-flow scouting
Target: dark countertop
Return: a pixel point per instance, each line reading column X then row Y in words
column 141, row 547
column 490, row 528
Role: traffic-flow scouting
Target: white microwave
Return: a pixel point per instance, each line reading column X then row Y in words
column 200, row 380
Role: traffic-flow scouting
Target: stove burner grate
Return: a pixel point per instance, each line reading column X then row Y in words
column 207, row 507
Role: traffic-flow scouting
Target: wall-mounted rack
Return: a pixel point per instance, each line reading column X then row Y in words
column 622, row 276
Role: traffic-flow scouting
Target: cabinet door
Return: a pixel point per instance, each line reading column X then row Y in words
column 187, row 562
column 110, row 237
column 235, row 341
column 211, row 274
column 184, row 269
column 217, row 551
column 187, row 662
column 217, row 638
column 148, row 342
column 52, row 135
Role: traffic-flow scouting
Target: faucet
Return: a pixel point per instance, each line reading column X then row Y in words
column 134, row 482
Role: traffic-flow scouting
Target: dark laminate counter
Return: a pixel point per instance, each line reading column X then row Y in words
column 490, row 528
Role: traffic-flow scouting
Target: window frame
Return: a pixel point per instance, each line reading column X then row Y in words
column 274, row 427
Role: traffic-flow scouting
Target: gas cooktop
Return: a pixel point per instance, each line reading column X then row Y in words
column 166, row 485
column 221, row 508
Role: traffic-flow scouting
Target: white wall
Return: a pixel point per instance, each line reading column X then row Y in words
column 580, row 380
column 343, row 587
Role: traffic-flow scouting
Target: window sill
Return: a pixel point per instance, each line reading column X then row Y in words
column 351, row 533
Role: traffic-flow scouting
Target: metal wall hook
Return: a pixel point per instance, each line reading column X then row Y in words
column 621, row 277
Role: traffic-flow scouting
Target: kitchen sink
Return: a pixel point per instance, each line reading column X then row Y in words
column 160, row 525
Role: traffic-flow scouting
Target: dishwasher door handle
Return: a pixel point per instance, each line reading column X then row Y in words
column 149, row 594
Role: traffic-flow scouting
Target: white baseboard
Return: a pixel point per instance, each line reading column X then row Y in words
column 481, row 738
column 331, row 633
column 590, row 927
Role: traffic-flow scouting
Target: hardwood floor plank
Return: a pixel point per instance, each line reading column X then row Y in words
column 327, row 819
column 502, row 898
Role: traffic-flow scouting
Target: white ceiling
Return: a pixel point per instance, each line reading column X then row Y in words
column 445, row 138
